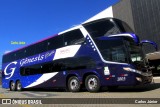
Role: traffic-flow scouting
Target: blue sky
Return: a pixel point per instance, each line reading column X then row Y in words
column 31, row 20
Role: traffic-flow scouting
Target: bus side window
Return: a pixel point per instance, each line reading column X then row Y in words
column 101, row 28
column 76, row 63
column 74, row 37
column 31, row 70
column 22, row 71
column 41, row 47
column 29, row 51
column 55, row 42
column 46, row 68
column 9, row 57
column 20, row 54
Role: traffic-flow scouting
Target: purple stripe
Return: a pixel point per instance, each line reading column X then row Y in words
column 32, row 44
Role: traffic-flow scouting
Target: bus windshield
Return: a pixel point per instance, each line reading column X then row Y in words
column 112, row 50
column 135, row 53
column 106, row 27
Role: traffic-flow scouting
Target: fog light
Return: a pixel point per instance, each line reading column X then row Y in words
column 139, row 79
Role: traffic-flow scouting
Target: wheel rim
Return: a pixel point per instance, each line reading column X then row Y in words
column 92, row 83
column 18, row 86
column 12, row 86
column 74, row 84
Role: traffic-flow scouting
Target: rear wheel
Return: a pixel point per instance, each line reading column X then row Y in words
column 73, row 84
column 92, row 83
column 12, row 86
column 18, row 86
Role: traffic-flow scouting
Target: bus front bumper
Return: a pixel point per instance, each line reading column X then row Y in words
column 144, row 79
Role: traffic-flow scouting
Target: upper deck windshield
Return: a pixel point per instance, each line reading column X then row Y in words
column 105, row 27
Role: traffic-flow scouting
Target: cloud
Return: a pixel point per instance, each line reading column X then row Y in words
column 74, row 25
column 7, row 51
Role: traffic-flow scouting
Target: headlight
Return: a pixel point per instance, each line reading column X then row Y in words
column 139, row 79
column 131, row 70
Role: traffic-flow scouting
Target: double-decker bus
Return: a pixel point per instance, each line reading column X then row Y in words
column 100, row 53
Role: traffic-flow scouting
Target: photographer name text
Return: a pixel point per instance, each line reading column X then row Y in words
column 146, row 102
column 18, row 43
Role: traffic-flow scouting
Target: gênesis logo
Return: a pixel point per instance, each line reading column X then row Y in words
column 11, row 67
column 9, row 70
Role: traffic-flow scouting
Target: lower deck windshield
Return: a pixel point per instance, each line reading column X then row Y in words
column 116, row 50
column 136, row 53
column 112, row 50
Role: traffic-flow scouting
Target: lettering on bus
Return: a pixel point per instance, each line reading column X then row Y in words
column 37, row 58
column 8, row 68
column 121, row 78
column 64, row 51
column 31, row 60
column 48, row 54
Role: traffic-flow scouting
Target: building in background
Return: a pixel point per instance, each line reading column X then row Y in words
column 143, row 16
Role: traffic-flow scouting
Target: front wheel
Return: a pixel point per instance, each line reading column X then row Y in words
column 73, row 84
column 92, row 83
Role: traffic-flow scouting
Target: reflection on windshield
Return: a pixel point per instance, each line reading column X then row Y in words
column 112, row 50
column 105, row 27
column 135, row 53
column 101, row 28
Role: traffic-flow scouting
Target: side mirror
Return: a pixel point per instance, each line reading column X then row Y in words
column 149, row 42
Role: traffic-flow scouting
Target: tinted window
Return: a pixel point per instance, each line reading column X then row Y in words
column 101, row 28
column 74, row 63
column 73, row 37
column 5, row 59
column 41, row 47
column 112, row 50
column 9, row 57
column 20, row 54
column 29, row 51
column 55, row 42
column 31, row 70
column 59, row 65
column 123, row 26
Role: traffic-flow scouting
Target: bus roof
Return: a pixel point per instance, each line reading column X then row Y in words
column 73, row 28
column 31, row 44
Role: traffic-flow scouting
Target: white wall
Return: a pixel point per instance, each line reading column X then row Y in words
column 105, row 13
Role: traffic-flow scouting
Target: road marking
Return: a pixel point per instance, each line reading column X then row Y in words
column 156, row 77
column 2, row 96
column 37, row 94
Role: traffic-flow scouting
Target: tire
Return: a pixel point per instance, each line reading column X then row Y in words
column 18, row 86
column 73, row 84
column 12, row 86
column 92, row 83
